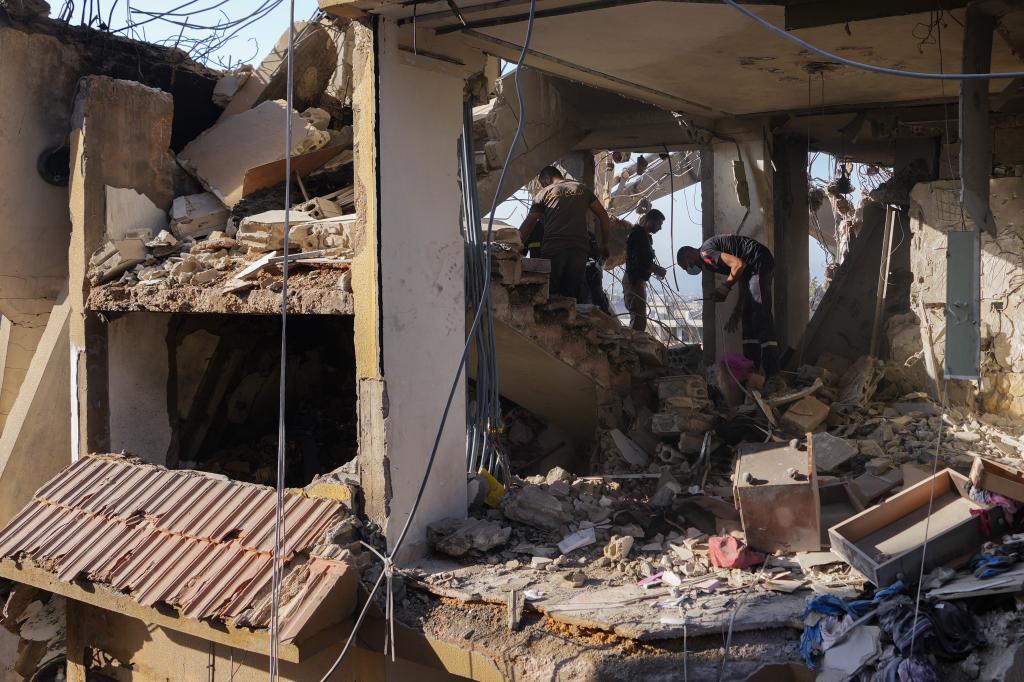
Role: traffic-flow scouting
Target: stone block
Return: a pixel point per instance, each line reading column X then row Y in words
column 537, row 265
column 457, row 537
column 676, row 423
column 197, row 215
column 129, row 212
column 806, row 415
column 536, row 508
column 831, row 452
column 507, row 271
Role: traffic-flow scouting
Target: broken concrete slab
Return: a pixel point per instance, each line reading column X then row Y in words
column 197, row 215
column 220, row 157
column 316, row 59
column 870, row 487
column 457, row 537
column 265, row 231
column 115, row 258
column 229, row 84
column 630, row 451
column 858, row 384
column 806, row 415
column 831, row 452
column 130, row 212
column 534, row 507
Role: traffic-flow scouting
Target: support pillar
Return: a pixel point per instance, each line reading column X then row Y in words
column 120, row 136
column 975, row 131
column 409, row 283
column 792, row 252
column 707, row 220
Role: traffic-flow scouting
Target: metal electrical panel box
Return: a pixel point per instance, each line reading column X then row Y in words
column 963, row 305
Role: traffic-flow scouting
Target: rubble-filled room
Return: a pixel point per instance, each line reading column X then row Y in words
column 201, row 391
column 632, row 340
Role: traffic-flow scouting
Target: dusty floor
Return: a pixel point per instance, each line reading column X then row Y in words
column 542, row 649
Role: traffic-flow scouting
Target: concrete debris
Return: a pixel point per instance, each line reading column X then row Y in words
column 580, row 538
column 265, row 231
column 197, row 215
column 116, row 257
column 220, row 157
column 317, row 117
column 534, row 507
column 130, row 213
column 831, row 452
column 230, row 83
column 457, row 537
column 859, row 382
column 629, row 450
column 618, row 547
column 805, row 416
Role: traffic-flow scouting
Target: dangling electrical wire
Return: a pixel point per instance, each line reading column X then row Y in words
column 388, row 568
column 279, row 523
column 672, row 212
column 884, row 70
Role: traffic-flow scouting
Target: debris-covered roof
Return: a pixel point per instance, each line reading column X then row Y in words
column 198, row 542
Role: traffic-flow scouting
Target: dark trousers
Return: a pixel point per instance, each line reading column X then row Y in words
column 759, row 341
column 568, row 270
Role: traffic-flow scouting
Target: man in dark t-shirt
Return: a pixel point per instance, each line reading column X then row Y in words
column 742, row 258
column 640, row 265
column 563, row 205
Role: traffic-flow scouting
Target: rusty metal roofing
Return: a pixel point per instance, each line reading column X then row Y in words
column 198, row 542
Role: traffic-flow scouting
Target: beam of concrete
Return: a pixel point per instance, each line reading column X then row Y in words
column 975, row 130
column 815, row 13
column 36, row 440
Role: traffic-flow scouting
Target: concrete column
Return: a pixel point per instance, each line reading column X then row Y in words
column 416, row 102
column 121, row 134
column 792, row 254
column 742, row 204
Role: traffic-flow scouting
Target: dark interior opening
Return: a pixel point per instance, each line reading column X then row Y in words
column 224, row 388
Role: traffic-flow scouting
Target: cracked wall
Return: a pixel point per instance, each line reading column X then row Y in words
column 934, row 212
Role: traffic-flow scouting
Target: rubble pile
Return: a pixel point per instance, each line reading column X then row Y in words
column 814, row 506
column 580, row 335
column 222, row 236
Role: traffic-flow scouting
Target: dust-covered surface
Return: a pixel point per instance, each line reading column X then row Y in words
column 312, row 291
column 543, row 649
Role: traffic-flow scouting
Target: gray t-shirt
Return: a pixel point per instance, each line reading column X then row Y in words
column 564, row 206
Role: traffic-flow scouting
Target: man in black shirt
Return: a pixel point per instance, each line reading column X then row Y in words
column 742, row 258
column 640, row 265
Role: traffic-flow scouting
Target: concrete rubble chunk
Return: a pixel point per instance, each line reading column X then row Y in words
column 630, row 451
column 805, row 415
column 618, row 547
column 317, row 117
column 215, row 242
column 220, row 157
column 230, row 83
column 858, row 384
column 331, row 235
column 536, row 508
column 197, row 215
column 130, row 212
column 115, row 258
column 265, row 231
column 457, row 537
column 831, row 452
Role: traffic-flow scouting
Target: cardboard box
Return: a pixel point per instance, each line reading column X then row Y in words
column 885, row 542
column 779, row 512
column 998, row 478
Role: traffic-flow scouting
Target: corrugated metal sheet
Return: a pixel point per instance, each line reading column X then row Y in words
column 191, row 540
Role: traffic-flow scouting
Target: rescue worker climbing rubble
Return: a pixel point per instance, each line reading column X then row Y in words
column 563, row 206
column 743, row 259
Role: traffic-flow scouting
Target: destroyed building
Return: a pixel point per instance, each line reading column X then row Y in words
column 602, row 503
